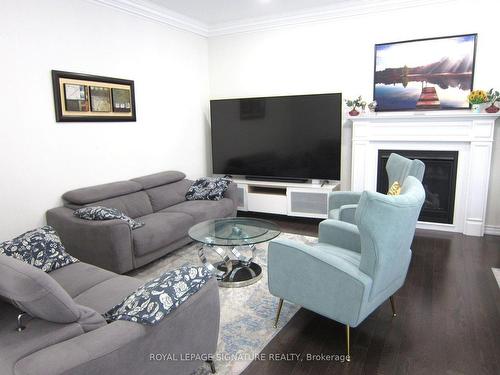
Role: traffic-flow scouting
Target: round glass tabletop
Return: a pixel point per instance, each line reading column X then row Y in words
column 234, row 231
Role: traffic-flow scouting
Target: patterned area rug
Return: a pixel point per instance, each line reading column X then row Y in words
column 247, row 314
column 496, row 273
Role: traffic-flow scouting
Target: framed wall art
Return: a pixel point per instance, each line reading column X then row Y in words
column 425, row 74
column 83, row 97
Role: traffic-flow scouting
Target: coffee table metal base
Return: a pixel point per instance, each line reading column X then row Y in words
column 232, row 273
column 241, row 274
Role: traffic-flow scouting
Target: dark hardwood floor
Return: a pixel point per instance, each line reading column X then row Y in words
column 448, row 318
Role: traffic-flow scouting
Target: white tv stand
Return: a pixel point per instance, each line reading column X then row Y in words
column 285, row 198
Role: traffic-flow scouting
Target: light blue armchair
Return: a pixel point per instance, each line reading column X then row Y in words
column 352, row 269
column 342, row 204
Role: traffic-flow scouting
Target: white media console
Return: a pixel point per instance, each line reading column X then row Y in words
column 285, row 198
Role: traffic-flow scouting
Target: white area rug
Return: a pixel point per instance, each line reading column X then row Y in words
column 496, row 273
column 247, row 314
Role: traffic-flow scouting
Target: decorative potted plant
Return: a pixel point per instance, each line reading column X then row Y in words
column 354, row 104
column 476, row 98
column 493, row 97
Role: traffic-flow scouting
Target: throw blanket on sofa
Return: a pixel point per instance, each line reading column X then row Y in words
column 157, row 298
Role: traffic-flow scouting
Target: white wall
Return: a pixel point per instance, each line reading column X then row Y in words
column 41, row 159
column 337, row 56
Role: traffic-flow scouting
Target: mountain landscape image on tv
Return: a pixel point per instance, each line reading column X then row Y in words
column 426, row 74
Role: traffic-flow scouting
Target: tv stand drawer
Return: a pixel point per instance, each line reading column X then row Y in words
column 268, row 203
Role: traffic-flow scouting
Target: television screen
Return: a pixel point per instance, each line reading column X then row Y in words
column 284, row 137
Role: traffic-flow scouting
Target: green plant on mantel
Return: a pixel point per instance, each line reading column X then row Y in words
column 355, row 103
column 493, row 96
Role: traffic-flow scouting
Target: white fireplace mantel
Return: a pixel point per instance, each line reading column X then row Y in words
column 471, row 134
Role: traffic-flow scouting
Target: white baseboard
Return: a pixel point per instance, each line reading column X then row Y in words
column 492, row 229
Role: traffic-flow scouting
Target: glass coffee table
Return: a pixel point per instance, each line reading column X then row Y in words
column 236, row 235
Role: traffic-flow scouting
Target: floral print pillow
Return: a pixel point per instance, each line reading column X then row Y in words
column 159, row 297
column 207, row 188
column 105, row 213
column 40, row 247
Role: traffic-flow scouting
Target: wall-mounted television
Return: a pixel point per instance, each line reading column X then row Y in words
column 281, row 137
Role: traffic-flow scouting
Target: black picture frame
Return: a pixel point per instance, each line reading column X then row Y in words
column 89, row 116
column 382, row 109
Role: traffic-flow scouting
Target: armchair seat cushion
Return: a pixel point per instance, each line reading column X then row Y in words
column 161, row 229
column 204, row 210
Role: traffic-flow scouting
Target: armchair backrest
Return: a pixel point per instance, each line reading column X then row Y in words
column 399, row 167
column 387, row 225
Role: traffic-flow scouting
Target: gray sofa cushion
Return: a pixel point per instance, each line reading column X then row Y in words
column 158, row 179
column 38, row 294
column 42, row 248
column 167, row 195
column 105, row 295
column 99, row 213
column 157, row 298
column 99, row 192
column 204, row 210
column 132, row 205
column 161, row 229
column 80, row 277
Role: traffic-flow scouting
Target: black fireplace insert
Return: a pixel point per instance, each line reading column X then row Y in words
column 439, row 181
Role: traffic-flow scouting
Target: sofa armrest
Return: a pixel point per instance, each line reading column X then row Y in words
column 106, row 244
column 341, row 234
column 124, row 347
column 317, row 280
column 232, row 193
column 337, row 199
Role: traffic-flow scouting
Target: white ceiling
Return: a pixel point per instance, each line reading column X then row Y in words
column 213, row 12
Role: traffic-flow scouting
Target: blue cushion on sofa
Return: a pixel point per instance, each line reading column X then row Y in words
column 39, row 247
column 207, row 188
column 106, row 213
column 157, row 298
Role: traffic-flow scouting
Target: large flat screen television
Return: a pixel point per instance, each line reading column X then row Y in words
column 281, row 137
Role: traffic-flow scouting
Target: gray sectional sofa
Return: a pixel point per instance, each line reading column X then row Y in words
column 157, row 200
column 69, row 337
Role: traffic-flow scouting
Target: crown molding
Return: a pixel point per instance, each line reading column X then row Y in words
column 342, row 9
column 152, row 12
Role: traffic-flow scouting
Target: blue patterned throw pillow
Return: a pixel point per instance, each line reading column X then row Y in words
column 207, row 188
column 105, row 213
column 159, row 297
column 40, row 247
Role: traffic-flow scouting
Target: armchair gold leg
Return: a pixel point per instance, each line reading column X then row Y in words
column 348, row 358
column 391, row 298
column 280, row 305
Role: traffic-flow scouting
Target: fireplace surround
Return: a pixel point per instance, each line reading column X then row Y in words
column 467, row 134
